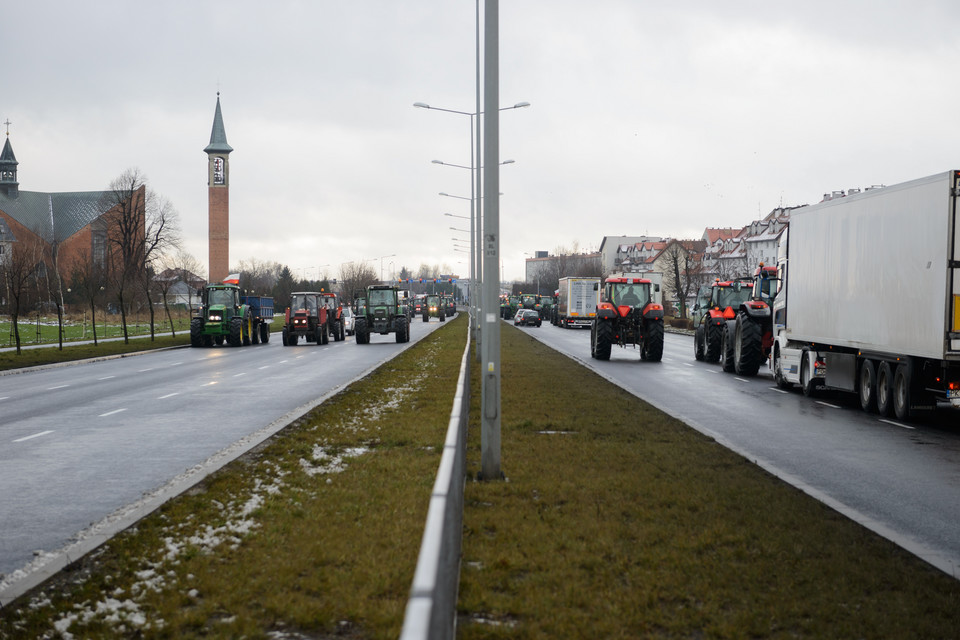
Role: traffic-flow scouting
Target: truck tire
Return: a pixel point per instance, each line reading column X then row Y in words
column 653, row 341
column 196, row 332
column 747, row 346
column 604, row 338
column 727, row 360
column 778, row 375
column 902, row 392
column 255, row 333
column 235, row 339
column 246, row 329
column 867, row 386
column 712, row 335
column 698, row 342
column 264, row 332
column 884, row 389
column 807, row 381
column 402, row 335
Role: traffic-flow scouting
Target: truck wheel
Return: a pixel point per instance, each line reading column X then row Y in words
column 236, row 332
column 902, row 383
column 884, row 389
column 868, row 386
column 698, row 341
column 778, row 374
column 747, row 347
column 653, row 341
column 264, row 332
column 255, row 333
column 196, row 332
column 712, row 335
column 604, row 338
column 806, row 377
column 727, row 360
column 402, row 330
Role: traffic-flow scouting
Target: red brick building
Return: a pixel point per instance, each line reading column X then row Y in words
column 218, row 199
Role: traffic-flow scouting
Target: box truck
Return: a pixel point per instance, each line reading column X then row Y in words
column 869, row 297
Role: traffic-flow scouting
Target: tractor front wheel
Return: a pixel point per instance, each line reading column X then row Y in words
column 727, row 362
column 196, row 332
column 402, row 331
column 712, row 335
column 603, row 335
column 236, row 332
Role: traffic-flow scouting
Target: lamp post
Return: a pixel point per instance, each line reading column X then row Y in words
column 392, row 255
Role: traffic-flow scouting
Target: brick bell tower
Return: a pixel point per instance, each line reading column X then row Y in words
column 218, row 199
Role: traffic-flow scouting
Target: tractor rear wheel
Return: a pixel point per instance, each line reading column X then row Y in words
column 698, row 341
column 255, row 333
column 247, row 328
column 196, row 332
column 236, row 332
column 604, row 338
column 747, row 347
column 653, row 341
column 264, row 332
column 711, row 342
column 727, row 360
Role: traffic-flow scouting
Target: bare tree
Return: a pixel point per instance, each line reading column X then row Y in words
column 87, row 280
column 20, row 270
column 161, row 237
column 684, row 274
column 256, row 275
column 125, row 205
column 355, row 277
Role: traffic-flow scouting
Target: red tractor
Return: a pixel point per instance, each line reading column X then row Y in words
column 748, row 337
column 334, row 316
column 306, row 317
column 627, row 315
column 713, row 315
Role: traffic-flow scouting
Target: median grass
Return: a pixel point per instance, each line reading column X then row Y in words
column 617, row 521
column 315, row 533
column 71, row 352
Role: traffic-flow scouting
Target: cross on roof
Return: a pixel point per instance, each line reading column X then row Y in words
column 8, row 123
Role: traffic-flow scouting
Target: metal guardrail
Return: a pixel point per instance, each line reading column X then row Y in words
column 431, row 608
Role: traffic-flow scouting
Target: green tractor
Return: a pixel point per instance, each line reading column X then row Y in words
column 434, row 308
column 383, row 312
column 226, row 316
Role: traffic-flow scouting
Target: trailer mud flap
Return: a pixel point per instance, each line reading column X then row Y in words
column 841, row 371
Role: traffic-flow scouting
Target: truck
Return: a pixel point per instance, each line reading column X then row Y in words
column 577, row 302
column 627, row 315
column 383, row 312
column 869, row 297
column 307, row 318
column 226, row 316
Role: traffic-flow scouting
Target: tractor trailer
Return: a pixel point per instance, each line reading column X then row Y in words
column 577, row 302
column 869, row 298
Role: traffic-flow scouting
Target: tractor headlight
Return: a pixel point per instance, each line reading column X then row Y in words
column 216, row 317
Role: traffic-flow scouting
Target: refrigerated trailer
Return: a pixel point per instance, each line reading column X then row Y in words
column 869, row 298
column 577, row 302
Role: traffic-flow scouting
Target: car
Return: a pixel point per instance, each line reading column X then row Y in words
column 527, row 318
column 348, row 321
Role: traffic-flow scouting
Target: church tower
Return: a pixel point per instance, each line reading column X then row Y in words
column 8, row 168
column 218, row 199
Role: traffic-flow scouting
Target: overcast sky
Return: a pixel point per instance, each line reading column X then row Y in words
column 646, row 117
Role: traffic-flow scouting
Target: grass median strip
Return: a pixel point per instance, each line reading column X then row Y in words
column 54, row 355
column 618, row 521
column 313, row 534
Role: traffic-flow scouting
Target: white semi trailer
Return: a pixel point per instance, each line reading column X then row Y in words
column 869, row 298
column 577, row 302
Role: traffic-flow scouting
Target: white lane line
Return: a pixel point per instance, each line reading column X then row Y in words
column 688, row 364
column 5, row 398
column 827, row 404
column 169, row 395
column 110, row 413
column 145, row 370
column 61, row 386
column 107, row 378
column 740, row 379
column 266, row 366
column 778, row 390
column 36, row 435
column 210, row 384
column 898, row 424
column 237, row 375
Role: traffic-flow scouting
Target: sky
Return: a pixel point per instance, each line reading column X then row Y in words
column 645, row 117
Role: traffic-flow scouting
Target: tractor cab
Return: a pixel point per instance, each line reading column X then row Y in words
column 765, row 284
column 220, row 301
column 626, row 294
column 727, row 296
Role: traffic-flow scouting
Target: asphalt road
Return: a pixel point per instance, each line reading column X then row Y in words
column 83, row 443
column 900, row 480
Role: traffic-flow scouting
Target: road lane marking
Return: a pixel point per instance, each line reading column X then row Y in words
column 210, row 384
column 740, row 379
column 688, row 364
column 107, row 378
column 5, row 398
column 827, row 404
column 237, row 375
column 778, row 390
column 169, row 395
column 110, row 413
column 61, row 386
column 266, row 366
column 898, row 424
column 36, row 435
column 145, row 370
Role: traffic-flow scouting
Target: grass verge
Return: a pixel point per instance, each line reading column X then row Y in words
column 617, row 521
column 313, row 534
column 70, row 352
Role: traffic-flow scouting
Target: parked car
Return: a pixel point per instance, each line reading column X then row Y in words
column 527, row 318
column 348, row 321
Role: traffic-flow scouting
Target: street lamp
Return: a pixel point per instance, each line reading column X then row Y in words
column 392, row 255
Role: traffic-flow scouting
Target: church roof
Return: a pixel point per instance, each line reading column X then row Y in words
column 55, row 216
column 218, row 136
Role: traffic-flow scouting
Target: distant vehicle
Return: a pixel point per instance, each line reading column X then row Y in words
column 226, row 316
column 383, row 314
column 433, row 308
column 527, row 318
column 348, row 321
column 629, row 316
column 306, row 318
